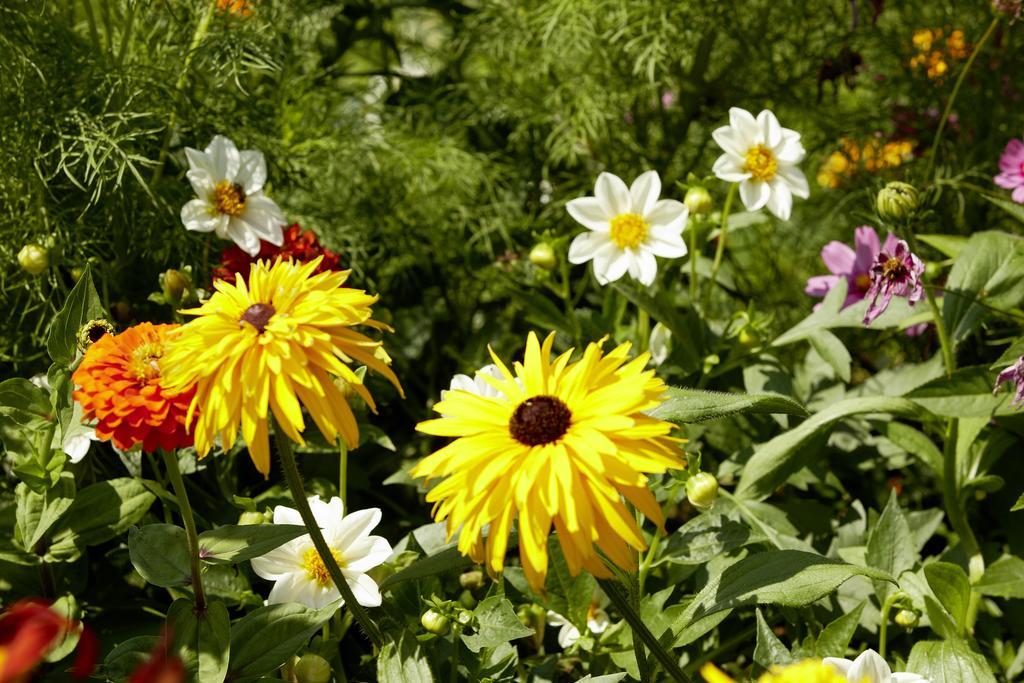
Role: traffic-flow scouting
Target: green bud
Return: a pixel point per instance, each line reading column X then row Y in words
column 33, row 259
column 543, row 256
column 312, row 668
column 248, row 518
column 701, row 490
column 92, row 332
column 435, row 622
column 907, row 618
column 175, row 284
column 77, row 272
column 472, row 579
column 748, row 337
column 698, row 201
column 897, row 202
column 467, row 600
column 932, row 270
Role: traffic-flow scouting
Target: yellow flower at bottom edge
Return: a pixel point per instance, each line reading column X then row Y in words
column 809, row 671
column 562, row 444
column 269, row 343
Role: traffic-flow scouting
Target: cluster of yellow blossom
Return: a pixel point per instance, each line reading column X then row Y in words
column 935, row 55
column 872, row 156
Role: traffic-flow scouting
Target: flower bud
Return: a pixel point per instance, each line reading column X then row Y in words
column 77, row 272
column 907, row 618
column 175, row 284
column 249, row 518
column 701, row 490
column 467, row 600
column 1011, row 8
column 748, row 337
column 932, row 270
column 435, row 622
column 312, row 668
column 33, row 259
column 543, row 256
column 472, row 579
column 92, row 332
column 897, row 202
column 698, row 201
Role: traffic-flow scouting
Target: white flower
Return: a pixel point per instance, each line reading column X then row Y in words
column 229, row 184
column 869, row 667
column 298, row 570
column 597, row 621
column 761, row 156
column 477, row 384
column 628, row 228
column 660, row 344
column 76, row 445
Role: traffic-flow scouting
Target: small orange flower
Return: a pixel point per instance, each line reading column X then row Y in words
column 240, row 8
column 120, row 386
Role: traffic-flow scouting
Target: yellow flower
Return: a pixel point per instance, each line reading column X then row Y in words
column 809, row 671
column 562, row 444
column 270, row 343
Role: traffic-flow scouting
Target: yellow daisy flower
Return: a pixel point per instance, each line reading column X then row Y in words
column 269, row 344
column 809, row 671
column 562, row 444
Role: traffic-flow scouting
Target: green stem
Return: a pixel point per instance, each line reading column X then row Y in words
column 91, row 17
column 883, row 626
column 294, row 479
column 645, row 564
column 126, row 35
column 202, row 28
column 723, row 231
column 454, row 676
column 343, row 472
column 953, row 95
column 948, row 355
column 178, row 484
column 667, row 660
column 694, row 284
column 643, row 330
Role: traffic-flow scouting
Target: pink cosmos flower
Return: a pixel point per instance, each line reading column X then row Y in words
column 852, row 264
column 1015, row 375
column 1011, row 163
column 894, row 273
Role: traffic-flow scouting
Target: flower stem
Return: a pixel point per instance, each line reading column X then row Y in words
column 645, row 564
column 722, row 232
column 956, row 91
column 883, row 625
column 343, row 472
column 178, row 484
column 694, row 284
column 294, row 479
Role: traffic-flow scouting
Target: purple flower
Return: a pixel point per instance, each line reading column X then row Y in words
column 852, row 264
column 896, row 272
column 1014, row 374
column 1011, row 163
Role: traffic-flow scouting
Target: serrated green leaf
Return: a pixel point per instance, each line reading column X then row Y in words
column 82, row 305
column 236, row 543
column 949, row 661
column 159, row 552
column 403, row 662
column 696, row 405
column 769, row 650
column 951, row 586
column 37, row 513
column 707, row 536
column 835, row 638
column 890, row 546
column 967, row 393
column 774, row 461
column 495, row 622
column 1004, row 578
column 986, row 274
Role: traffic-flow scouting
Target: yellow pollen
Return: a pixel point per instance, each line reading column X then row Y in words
column 894, row 268
column 628, row 230
column 315, row 567
column 761, row 163
column 228, row 198
column 863, row 281
column 145, row 362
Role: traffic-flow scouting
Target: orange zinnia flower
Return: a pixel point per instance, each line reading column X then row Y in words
column 121, row 387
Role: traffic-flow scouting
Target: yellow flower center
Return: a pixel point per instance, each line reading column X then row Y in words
column 145, row 361
column 761, row 163
column 228, row 198
column 315, row 567
column 862, row 282
column 628, row 230
column 894, row 269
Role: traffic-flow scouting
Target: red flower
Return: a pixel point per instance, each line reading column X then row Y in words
column 301, row 246
column 162, row 666
column 28, row 630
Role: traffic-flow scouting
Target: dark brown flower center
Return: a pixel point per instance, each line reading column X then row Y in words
column 894, row 269
column 258, row 315
column 540, row 420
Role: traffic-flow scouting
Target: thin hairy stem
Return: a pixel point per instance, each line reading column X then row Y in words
column 178, row 484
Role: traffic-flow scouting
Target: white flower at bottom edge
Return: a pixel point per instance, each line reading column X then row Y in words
column 300, row 574
column 628, row 227
column 869, row 667
column 761, row 156
column 597, row 621
column 229, row 185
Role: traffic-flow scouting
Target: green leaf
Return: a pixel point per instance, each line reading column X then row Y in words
column 987, row 272
column 82, row 305
column 230, row 543
column 38, row 512
column 203, row 639
column 127, row 656
column 683, row 323
column 159, row 553
column 705, row 537
column 568, row 595
column 267, row 637
column 495, row 622
column 769, row 650
column 890, row 546
column 968, row 393
column 790, row 578
column 99, row 513
column 951, row 586
column 27, row 426
column 1012, row 208
column 445, row 560
column 834, row 352
column 696, row 405
column 915, row 443
column 1004, row 578
column 949, row 661
column 835, row 638
column 948, row 245
column 774, row 461
column 403, row 662
column 1019, row 505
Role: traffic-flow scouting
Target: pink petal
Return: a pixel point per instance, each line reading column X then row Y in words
column 1018, row 195
column 1013, row 156
column 838, row 257
column 866, row 241
column 891, row 242
column 820, row 285
column 1009, row 180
